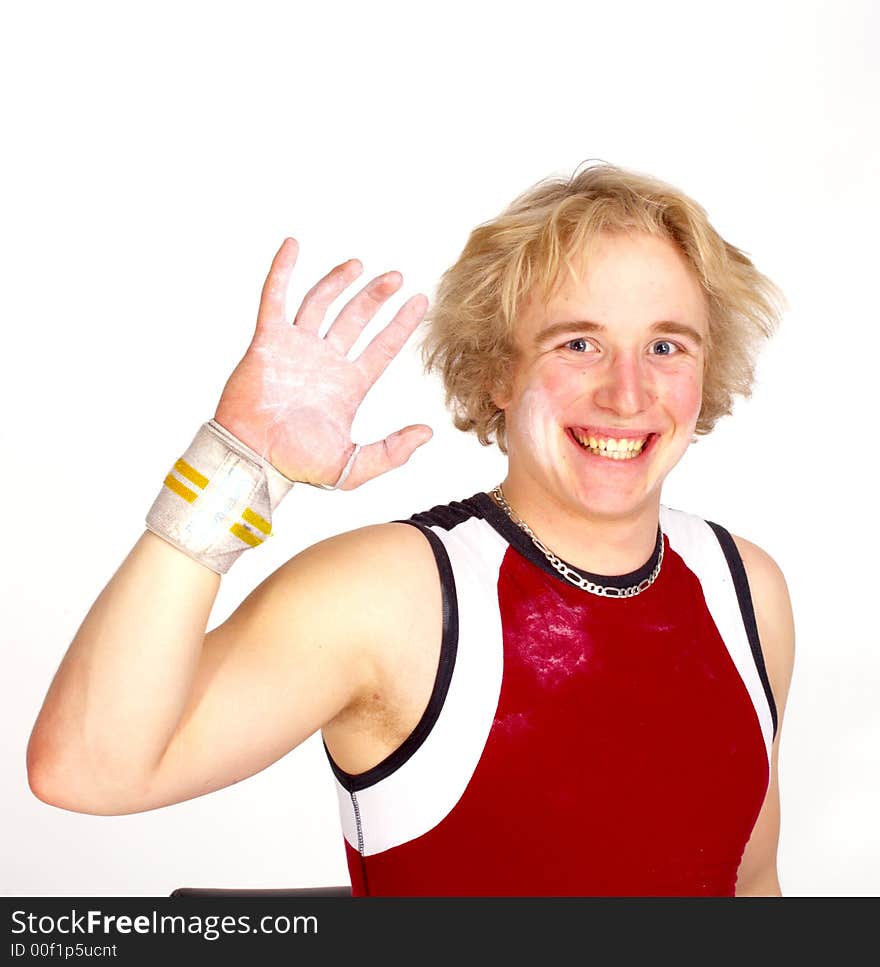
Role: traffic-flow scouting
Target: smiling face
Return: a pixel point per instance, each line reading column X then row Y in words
column 606, row 384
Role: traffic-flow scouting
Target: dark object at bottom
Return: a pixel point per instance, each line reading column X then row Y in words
column 309, row 891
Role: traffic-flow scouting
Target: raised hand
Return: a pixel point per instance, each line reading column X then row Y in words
column 294, row 395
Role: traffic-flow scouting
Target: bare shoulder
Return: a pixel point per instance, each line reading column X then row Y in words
column 380, row 588
column 394, row 544
column 367, row 558
column 385, row 575
column 773, row 614
column 344, row 597
column 372, row 572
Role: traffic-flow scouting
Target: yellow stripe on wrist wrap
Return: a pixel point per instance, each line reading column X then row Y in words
column 218, row 499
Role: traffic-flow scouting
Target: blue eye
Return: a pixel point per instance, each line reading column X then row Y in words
column 664, row 348
column 578, row 345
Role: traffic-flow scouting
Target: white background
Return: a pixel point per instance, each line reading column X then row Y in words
column 156, row 155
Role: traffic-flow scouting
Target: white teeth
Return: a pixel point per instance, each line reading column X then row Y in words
column 616, row 449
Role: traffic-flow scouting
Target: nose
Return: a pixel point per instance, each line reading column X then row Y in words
column 625, row 388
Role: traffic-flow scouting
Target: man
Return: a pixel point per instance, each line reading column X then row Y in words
column 559, row 688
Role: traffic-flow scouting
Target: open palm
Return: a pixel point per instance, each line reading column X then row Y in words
column 294, row 395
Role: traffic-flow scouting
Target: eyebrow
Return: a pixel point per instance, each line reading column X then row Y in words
column 585, row 325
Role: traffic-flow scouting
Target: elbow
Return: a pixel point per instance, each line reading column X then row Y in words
column 58, row 784
column 46, row 779
column 42, row 778
column 48, row 788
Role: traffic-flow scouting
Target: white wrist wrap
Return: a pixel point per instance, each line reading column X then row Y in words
column 218, row 499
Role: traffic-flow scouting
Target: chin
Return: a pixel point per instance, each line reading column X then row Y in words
column 616, row 506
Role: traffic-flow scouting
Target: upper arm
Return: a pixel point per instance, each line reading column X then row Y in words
column 757, row 872
column 299, row 650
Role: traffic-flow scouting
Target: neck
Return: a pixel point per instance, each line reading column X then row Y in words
column 593, row 543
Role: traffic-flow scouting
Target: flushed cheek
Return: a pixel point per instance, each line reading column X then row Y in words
column 561, row 384
column 684, row 398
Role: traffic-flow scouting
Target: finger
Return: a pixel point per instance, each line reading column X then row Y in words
column 387, row 344
column 393, row 451
column 349, row 324
column 314, row 306
column 274, row 292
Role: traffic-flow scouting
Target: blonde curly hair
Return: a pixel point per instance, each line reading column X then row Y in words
column 545, row 235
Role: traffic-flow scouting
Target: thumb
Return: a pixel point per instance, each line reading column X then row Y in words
column 384, row 455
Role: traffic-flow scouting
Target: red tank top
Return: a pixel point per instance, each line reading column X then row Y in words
column 573, row 745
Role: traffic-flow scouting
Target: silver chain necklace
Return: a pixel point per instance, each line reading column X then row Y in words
column 568, row 573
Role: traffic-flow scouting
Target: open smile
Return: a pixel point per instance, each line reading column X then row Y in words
column 628, row 447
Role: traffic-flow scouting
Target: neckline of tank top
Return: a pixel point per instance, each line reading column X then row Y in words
column 522, row 543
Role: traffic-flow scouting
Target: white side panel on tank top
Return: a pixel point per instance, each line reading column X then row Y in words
column 695, row 542
column 425, row 789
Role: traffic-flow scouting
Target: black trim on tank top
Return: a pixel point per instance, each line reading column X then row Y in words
column 747, row 608
column 448, row 651
column 521, row 542
column 450, row 515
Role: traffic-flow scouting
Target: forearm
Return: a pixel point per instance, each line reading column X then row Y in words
column 121, row 688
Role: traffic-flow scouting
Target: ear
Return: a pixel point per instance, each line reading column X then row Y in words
column 501, row 394
column 501, row 388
